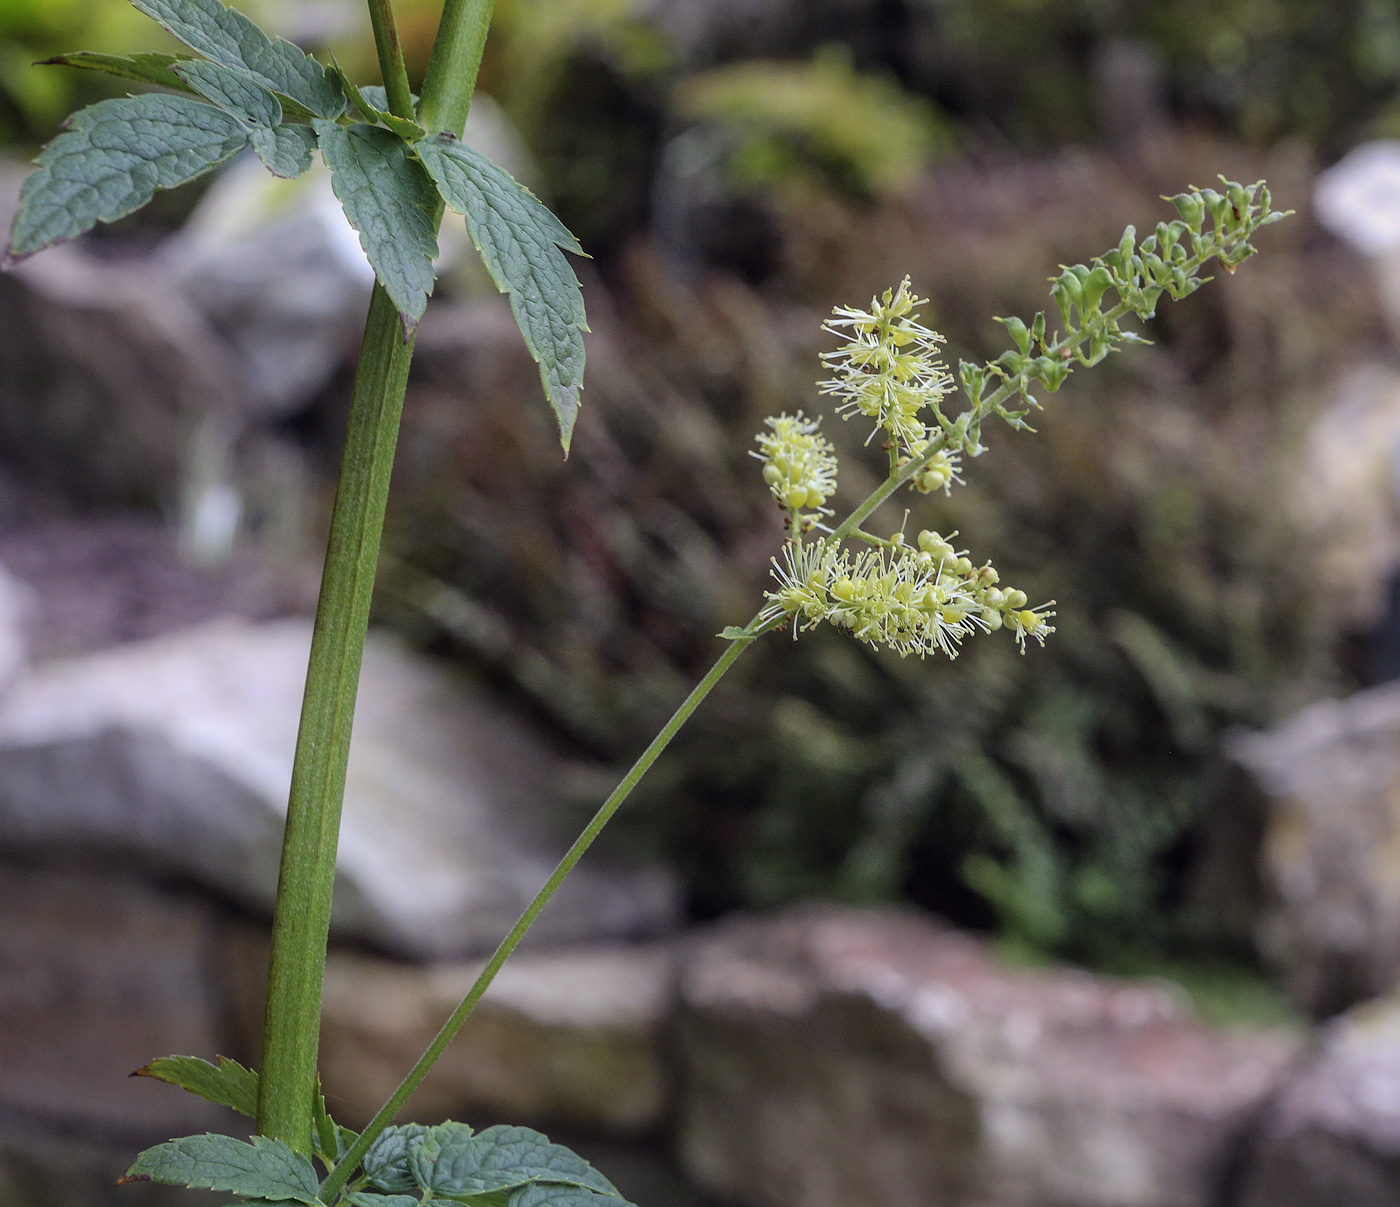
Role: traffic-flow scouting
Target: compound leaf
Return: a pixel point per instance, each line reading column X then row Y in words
column 264, row 1169
column 228, row 1083
column 285, row 150
column 148, row 68
column 112, row 158
column 501, row 1158
column 234, row 92
column 520, row 241
column 391, row 202
column 228, row 37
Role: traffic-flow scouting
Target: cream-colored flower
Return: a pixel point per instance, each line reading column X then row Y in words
column 888, row 369
column 799, row 463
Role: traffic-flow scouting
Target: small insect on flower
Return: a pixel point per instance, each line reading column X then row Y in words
column 888, row 368
column 799, row 463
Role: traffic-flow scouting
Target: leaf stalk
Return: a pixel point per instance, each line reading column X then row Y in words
column 391, row 64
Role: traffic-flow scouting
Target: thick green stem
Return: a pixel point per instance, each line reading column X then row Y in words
column 346, row 1166
column 391, row 65
column 451, row 78
column 301, row 922
column 291, row 1026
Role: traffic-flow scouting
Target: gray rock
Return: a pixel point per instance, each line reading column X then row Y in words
column 1332, row 846
column 849, row 1057
column 1332, row 1139
column 177, row 752
column 567, row 1039
column 100, row 974
column 276, row 271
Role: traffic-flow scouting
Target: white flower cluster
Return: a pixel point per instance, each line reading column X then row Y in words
column 914, row 600
column 888, row 368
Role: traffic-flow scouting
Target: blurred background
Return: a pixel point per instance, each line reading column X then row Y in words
column 1113, row 924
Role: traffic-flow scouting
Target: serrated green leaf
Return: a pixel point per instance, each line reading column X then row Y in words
column 363, row 1199
column 391, row 202
column 285, row 150
column 386, row 1162
column 520, row 241
column 264, row 1169
column 227, row 1083
column 234, row 92
column 405, row 129
column 371, row 112
column 148, row 68
column 112, row 158
column 228, row 37
column 541, row 1194
column 356, row 97
column 501, row 1158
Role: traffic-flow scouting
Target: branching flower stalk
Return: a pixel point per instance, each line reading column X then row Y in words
column 395, row 165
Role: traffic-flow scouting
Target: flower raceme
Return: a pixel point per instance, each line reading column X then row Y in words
column 920, row 599
column 915, row 600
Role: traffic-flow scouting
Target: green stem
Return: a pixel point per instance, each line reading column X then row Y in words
column 301, row 922
column 391, row 65
column 340, row 1174
column 451, row 78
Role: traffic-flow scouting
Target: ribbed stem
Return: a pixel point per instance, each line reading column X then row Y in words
column 301, row 922
column 451, row 78
column 291, row 1026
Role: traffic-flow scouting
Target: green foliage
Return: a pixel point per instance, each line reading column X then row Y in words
column 112, row 159
column 284, row 150
column 226, row 1082
column 254, row 89
column 262, row 1169
column 500, row 1158
column 390, row 201
column 148, row 68
column 233, row 91
column 519, row 240
column 499, row 1167
column 817, row 124
column 226, row 36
